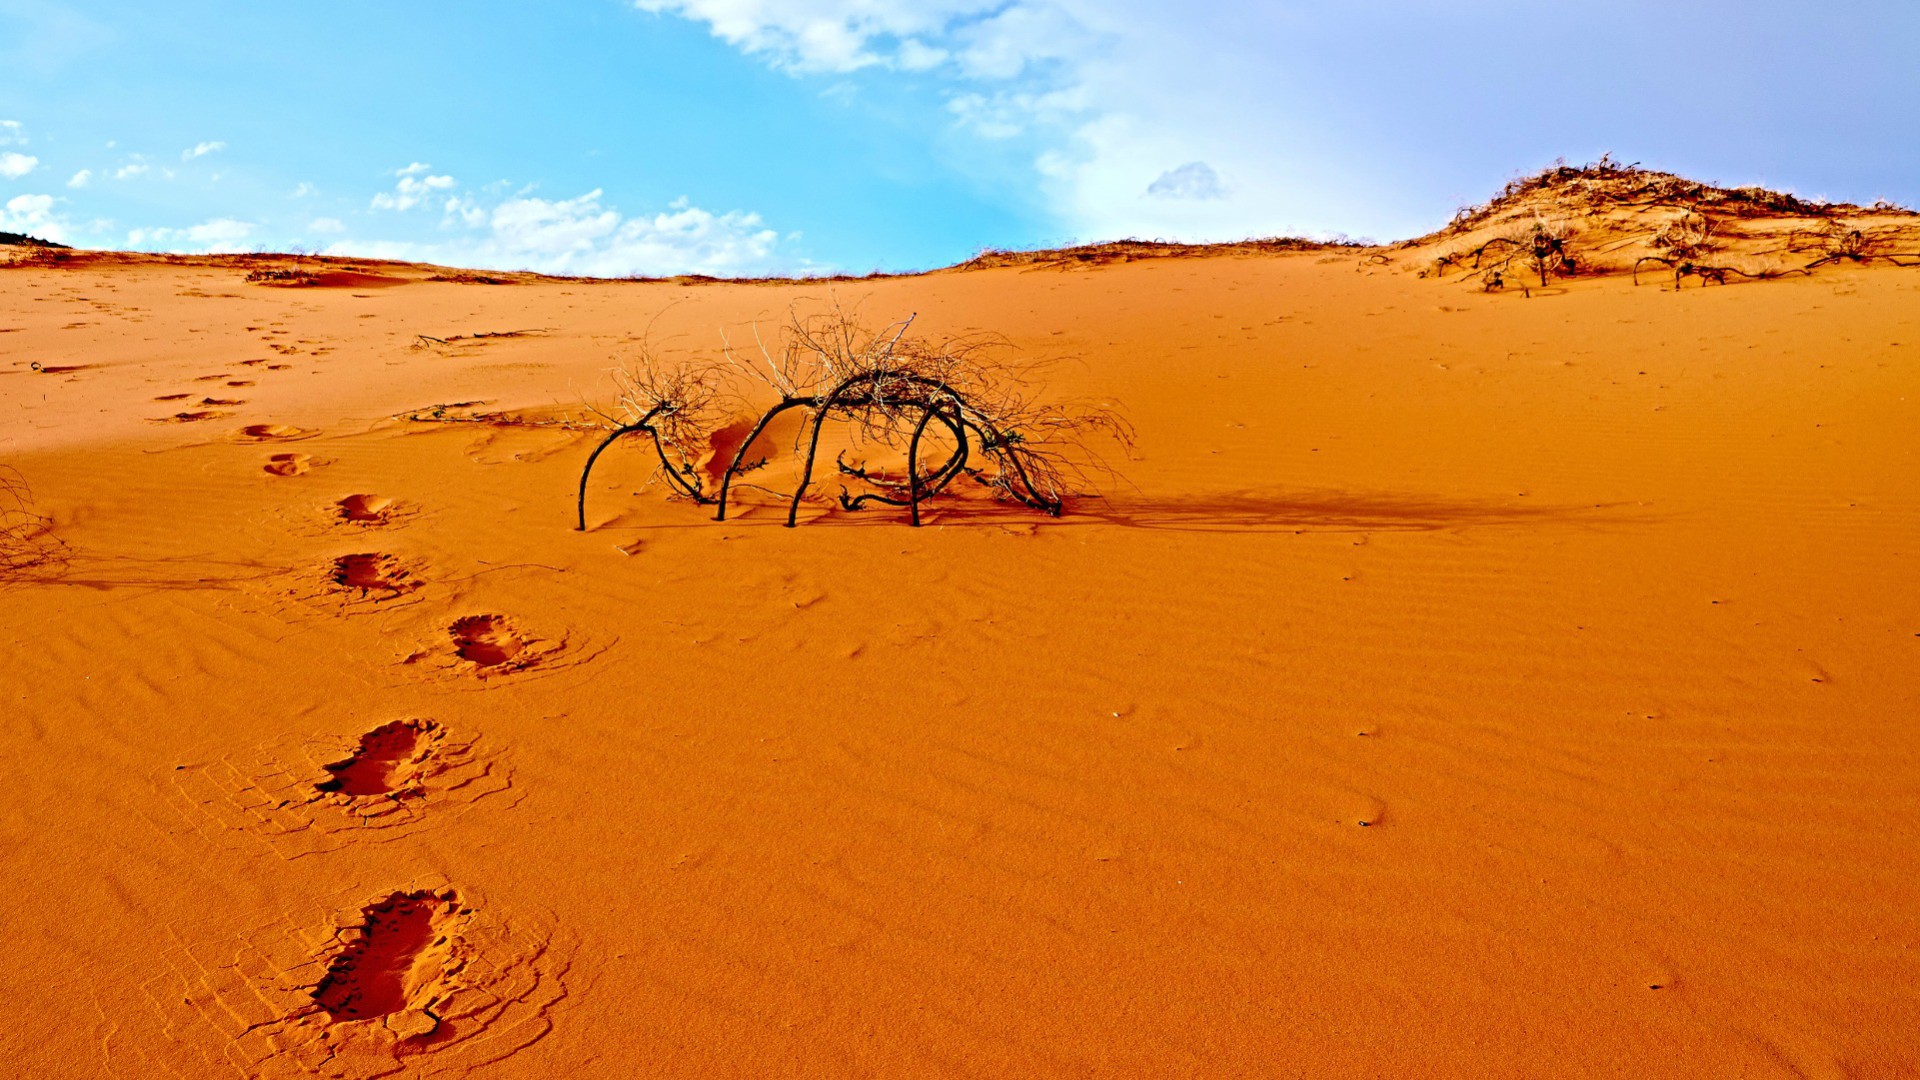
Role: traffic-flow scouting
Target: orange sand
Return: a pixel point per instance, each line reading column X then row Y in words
column 1468, row 685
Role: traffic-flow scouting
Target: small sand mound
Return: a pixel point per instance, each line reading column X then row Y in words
column 1123, row 251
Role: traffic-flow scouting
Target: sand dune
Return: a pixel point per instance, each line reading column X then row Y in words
column 1460, row 683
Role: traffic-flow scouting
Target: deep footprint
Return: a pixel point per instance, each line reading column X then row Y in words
column 288, row 464
column 487, row 641
column 400, row 953
column 372, row 572
column 365, row 509
column 382, row 763
column 273, row 432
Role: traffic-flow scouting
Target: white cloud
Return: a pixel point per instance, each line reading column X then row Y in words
column 326, row 225
column 35, row 216
column 583, row 235
column 412, row 189
column 131, row 170
column 14, row 165
column 467, row 211
column 1194, row 180
column 81, row 179
column 305, row 189
column 217, row 235
column 12, row 133
column 915, row 55
column 202, row 150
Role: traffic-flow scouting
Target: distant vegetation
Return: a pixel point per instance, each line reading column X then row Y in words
column 1609, row 217
column 15, row 239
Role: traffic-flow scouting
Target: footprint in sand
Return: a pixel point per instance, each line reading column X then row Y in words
column 398, row 962
column 227, row 402
column 421, row 979
column 301, row 795
column 366, row 509
column 190, row 417
column 274, row 433
column 489, row 642
column 372, row 572
column 289, row 464
column 173, row 397
column 389, row 760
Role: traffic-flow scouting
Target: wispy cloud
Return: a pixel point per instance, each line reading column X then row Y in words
column 216, row 235
column 1194, row 180
column 1110, row 98
column 202, row 150
column 81, row 179
column 131, row 170
column 584, row 235
column 12, row 133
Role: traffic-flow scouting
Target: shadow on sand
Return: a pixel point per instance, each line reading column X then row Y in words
column 1284, row 510
column 1269, row 511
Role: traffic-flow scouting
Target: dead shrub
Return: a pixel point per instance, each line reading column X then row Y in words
column 27, row 545
column 890, row 389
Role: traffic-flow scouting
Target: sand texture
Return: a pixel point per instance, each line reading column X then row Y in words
column 1460, row 683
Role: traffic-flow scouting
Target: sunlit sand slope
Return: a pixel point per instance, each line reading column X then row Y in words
column 1460, row 684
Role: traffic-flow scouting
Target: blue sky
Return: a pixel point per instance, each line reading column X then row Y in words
column 753, row 136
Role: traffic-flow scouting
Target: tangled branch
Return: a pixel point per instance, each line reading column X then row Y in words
column 1540, row 246
column 890, row 390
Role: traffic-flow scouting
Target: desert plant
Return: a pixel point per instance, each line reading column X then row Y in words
column 891, row 390
column 27, row 543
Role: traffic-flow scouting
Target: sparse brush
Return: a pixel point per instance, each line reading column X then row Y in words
column 27, row 543
column 1689, row 238
column 1834, row 241
column 1540, row 245
column 890, row 389
column 681, row 405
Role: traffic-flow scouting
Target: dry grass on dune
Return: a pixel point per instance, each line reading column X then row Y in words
column 1611, row 218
